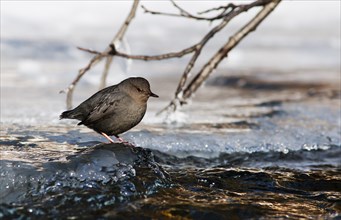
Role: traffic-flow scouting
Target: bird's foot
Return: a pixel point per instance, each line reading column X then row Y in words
column 122, row 141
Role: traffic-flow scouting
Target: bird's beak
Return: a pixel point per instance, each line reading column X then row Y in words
column 153, row 95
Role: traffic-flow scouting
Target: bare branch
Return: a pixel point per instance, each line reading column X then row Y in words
column 155, row 57
column 186, row 14
column 208, row 36
column 227, row 13
column 196, row 48
column 124, row 27
column 99, row 56
column 118, row 38
column 71, row 87
column 221, row 54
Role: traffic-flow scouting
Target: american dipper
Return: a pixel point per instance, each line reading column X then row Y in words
column 115, row 109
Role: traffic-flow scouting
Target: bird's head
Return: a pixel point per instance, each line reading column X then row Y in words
column 138, row 88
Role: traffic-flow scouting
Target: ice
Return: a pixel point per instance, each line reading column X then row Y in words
column 290, row 130
column 176, row 118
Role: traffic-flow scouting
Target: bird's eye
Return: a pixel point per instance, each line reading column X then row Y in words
column 139, row 90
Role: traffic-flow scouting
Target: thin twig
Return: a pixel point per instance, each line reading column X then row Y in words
column 91, row 51
column 226, row 7
column 181, row 10
column 114, row 52
column 183, row 13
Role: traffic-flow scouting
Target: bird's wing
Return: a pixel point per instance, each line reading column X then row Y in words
column 106, row 106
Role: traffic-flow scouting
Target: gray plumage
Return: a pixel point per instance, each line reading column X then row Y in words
column 115, row 109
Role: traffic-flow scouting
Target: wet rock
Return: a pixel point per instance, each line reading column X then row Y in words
column 107, row 173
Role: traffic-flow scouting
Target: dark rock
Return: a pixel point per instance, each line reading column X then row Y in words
column 103, row 174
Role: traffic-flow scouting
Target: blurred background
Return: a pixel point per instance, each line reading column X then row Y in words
column 39, row 55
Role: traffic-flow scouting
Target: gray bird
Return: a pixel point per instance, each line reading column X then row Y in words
column 115, row 109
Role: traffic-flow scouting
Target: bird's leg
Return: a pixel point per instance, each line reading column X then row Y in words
column 107, row 137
